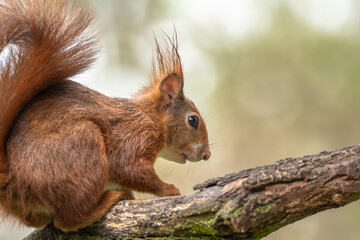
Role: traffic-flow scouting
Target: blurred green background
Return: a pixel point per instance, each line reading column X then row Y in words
column 273, row 78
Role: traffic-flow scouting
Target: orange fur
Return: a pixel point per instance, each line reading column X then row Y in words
column 60, row 142
column 46, row 52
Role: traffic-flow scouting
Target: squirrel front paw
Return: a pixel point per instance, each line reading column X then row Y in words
column 169, row 190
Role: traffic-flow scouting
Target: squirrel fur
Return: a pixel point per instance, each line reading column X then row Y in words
column 60, row 142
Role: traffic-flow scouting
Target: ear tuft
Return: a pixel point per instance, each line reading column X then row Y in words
column 171, row 86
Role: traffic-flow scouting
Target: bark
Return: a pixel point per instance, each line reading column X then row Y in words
column 249, row 204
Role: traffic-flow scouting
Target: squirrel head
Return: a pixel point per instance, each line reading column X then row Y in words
column 185, row 129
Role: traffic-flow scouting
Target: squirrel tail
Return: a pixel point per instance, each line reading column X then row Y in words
column 42, row 43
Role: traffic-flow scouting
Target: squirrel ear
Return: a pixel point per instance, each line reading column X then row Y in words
column 171, row 86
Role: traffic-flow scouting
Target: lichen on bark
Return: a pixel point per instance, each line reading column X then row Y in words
column 249, row 204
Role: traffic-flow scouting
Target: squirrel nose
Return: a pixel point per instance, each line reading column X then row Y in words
column 206, row 155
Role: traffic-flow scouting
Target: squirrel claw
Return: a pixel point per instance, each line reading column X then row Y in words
column 170, row 190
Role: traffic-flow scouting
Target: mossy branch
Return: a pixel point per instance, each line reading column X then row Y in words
column 249, row 204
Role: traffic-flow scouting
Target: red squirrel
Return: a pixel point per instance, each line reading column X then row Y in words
column 60, row 142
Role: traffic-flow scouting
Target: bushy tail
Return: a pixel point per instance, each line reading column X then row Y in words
column 42, row 42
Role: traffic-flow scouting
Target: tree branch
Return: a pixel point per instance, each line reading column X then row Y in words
column 249, row 204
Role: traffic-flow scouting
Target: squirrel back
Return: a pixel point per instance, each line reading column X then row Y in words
column 41, row 43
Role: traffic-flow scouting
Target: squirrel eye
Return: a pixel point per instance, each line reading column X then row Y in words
column 193, row 121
